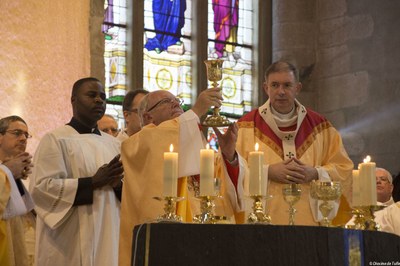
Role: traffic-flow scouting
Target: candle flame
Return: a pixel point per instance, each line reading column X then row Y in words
column 208, row 146
column 171, row 148
column 256, row 146
column 367, row 159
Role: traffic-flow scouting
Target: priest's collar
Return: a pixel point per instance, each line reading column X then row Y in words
column 284, row 116
column 81, row 128
column 285, row 120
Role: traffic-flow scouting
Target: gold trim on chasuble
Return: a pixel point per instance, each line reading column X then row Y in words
column 277, row 148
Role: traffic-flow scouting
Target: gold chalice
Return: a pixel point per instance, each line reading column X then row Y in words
column 327, row 192
column 291, row 194
column 214, row 74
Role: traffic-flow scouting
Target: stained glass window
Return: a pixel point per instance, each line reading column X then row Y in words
column 168, row 54
column 114, row 29
column 230, row 34
column 167, row 47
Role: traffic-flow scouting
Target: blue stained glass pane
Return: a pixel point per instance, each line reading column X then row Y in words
column 167, row 47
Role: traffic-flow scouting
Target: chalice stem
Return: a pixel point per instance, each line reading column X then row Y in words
column 326, row 208
column 292, row 211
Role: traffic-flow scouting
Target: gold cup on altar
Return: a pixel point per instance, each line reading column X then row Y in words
column 291, row 194
column 327, row 192
column 214, row 74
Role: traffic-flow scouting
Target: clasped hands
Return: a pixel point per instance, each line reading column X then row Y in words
column 292, row 171
column 20, row 165
column 109, row 174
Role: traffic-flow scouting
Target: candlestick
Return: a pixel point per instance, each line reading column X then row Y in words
column 257, row 182
column 170, row 173
column 368, row 182
column 207, row 172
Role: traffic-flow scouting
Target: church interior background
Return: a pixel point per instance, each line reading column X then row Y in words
column 347, row 53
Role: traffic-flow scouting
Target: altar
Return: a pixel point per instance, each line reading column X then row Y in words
column 227, row 244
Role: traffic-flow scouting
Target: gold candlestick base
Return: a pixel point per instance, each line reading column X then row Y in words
column 207, row 211
column 169, row 210
column 258, row 216
column 364, row 218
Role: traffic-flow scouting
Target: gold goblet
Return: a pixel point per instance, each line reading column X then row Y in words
column 291, row 194
column 327, row 192
column 214, row 74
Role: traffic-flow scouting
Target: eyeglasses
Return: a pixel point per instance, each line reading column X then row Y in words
column 18, row 133
column 108, row 129
column 382, row 179
column 166, row 100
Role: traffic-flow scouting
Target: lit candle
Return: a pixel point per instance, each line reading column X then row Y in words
column 257, row 182
column 356, row 195
column 170, row 172
column 367, row 182
column 207, row 172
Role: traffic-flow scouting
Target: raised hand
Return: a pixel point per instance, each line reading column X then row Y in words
column 206, row 99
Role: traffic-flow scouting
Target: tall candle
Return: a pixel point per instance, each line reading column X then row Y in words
column 356, row 195
column 170, row 172
column 207, row 172
column 257, row 182
column 368, row 182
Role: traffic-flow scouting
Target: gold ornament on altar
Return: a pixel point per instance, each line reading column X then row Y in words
column 364, row 217
column 291, row 194
column 214, row 74
column 258, row 215
column 327, row 192
column 169, row 215
column 207, row 215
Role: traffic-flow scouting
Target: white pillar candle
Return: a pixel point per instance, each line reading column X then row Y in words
column 257, row 182
column 356, row 195
column 170, row 173
column 368, row 182
column 207, row 172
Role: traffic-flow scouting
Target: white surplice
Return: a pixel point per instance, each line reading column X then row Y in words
column 67, row 234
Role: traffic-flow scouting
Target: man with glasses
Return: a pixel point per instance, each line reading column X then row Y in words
column 15, row 201
column 76, row 185
column 108, row 125
column 130, row 107
column 384, row 189
column 165, row 123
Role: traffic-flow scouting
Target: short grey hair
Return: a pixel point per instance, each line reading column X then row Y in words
column 6, row 121
column 388, row 175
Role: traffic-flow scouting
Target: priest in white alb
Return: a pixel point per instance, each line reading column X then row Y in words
column 76, row 185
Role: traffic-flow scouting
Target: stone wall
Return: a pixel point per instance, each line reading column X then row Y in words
column 348, row 52
column 44, row 49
